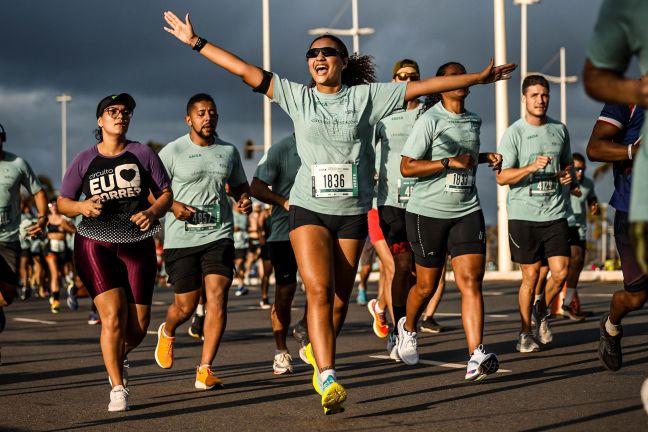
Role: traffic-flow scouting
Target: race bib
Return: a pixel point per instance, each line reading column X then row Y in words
column 543, row 184
column 459, row 181
column 334, row 180
column 4, row 216
column 405, row 188
column 206, row 218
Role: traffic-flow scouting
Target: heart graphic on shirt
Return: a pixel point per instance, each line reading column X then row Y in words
column 128, row 174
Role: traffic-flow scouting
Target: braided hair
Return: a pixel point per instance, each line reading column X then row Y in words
column 360, row 69
column 435, row 98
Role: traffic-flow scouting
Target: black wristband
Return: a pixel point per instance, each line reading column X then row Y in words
column 265, row 83
column 200, row 44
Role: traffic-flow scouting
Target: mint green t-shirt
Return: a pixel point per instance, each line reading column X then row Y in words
column 579, row 207
column 198, row 176
column 278, row 169
column 241, row 239
column 336, row 129
column 391, row 134
column 539, row 197
column 620, row 34
column 439, row 134
column 14, row 172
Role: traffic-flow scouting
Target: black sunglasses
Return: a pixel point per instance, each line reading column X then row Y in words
column 327, row 51
column 402, row 76
column 579, row 169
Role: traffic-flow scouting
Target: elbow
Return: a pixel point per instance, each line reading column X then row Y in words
column 406, row 167
column 593, row 151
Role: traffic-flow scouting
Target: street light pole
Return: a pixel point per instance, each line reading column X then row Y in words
column 63, row 100
column 267, row 111
column 501, row 123
column 523, row 43
column 353, row 31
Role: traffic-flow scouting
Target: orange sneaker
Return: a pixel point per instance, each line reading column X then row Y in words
column 164, row 349
column 205, row 379
column 380, row 326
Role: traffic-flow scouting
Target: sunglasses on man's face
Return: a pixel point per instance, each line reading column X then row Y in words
column 579, row 169
column 403, row 76
column 327, row 51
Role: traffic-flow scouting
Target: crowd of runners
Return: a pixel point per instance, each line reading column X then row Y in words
column 384, row 168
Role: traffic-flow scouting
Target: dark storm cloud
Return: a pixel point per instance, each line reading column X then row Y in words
column 90, row 49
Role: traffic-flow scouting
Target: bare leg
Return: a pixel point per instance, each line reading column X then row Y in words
column 216, row 290
column 113, row 310
column 469, row 274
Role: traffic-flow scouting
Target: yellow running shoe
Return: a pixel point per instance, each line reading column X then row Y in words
column 205, row 379
column 316, row 376
column 55, row 306
column 333, row 397
column 164, row 349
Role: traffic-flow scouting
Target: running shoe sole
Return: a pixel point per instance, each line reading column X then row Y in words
column 333, row 398
column 370, row 307
column 202, row 386
column 488, row 366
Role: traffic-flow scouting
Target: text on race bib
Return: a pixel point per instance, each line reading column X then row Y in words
column 405, row 188
column 334, row 180
column 206, row 218
column 4, row 216
column 459, row 181
column 543, row 184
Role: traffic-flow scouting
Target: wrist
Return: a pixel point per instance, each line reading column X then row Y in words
column 192, row 41
column 630, row 153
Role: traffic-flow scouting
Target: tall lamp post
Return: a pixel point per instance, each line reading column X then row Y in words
column 354, row 31
column 63, row 100
column 267, row 111
column 523, row 42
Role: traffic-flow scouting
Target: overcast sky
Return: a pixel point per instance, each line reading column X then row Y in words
column 91, row 49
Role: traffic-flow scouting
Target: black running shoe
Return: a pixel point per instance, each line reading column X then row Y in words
column 609, row 349
column 196, row 327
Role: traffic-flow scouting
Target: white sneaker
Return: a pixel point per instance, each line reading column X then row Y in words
column 392, row 347
column 527, row 343
column 407, row 344
column 281, row 364
column 481, row 364
column 125, row 368
column 543, row 331
column 118, row 399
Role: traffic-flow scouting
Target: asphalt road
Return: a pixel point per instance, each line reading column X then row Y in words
column 52, row 377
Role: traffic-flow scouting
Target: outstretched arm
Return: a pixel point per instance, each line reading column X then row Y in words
column 439, row 84
column 610, row 86
column 183, row 30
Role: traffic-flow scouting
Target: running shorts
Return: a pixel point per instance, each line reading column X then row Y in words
column 634, row 279
column 575, row 239
column 9, row 259
column 392, row 223
column 240, row 254
column 283, row 260
column 531, row 241
column 341, row 227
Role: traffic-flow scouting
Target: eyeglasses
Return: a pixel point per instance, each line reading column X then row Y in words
column 327, row 51
column 579, row 169
column 114, row 112
column 402, row 76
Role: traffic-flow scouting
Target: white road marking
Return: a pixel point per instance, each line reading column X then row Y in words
column 153, row 332
column 159, row 303
column 493, row 293
column 434, row 363
column 30, row 320
column 581, row 294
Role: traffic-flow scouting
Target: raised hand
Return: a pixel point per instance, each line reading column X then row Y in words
column 91, row 207
column 495, row 161
column 244, row 204
column 464, row 161
column 182, row 211
column 181, row 30
column 492, row 73
column 564, row 176
column 144, row 220
column 540, row 163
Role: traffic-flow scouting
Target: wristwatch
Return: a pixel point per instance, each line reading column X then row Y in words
column 445, row 162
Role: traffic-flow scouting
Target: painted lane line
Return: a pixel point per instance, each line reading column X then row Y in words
column 448, row 314
column 494, row 293
column 434, row 363
column 30, row 320
column 158, row 303
column 595, row 295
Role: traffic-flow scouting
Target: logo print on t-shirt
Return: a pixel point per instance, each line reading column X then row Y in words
column 127, row 176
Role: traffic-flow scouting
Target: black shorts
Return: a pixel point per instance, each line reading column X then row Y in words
column 530, row 241
column 187, row 267
column 9, row 259
column 634, row 279
column 283, row 260
column 342, row 227
column 392, row 223
column 433, row 238
column 264, row 254
column 575, row 239
column 240, row 254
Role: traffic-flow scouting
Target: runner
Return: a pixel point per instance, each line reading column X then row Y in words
column 198, row 243
column 241, row 247
column 56, row 257
column 582, row 199
column 537, row 158
column 114, row 249
column 381, row 305
column 16, row 173
column 619, row 126
column 619, row 35
column 334, row 121
column 273, row 180
column 444, row 216
column 31, row 264
column 263, row 263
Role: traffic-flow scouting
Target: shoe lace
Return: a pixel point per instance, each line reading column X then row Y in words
column 381, row 318
column 613, row 343
column 412, row 341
